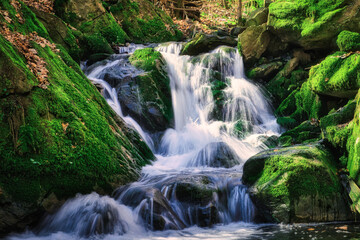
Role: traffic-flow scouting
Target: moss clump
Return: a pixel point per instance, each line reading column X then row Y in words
column 336, row 76
column 107, row 27
column 307, row 16
column 306, row 132
column 348, row 41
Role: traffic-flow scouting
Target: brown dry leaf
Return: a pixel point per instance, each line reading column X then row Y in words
column 65, row 126
column 41, row 5
column 345, row 227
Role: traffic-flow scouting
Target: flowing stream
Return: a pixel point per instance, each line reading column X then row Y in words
column 193, row 190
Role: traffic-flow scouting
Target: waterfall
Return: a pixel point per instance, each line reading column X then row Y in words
column 221, row 119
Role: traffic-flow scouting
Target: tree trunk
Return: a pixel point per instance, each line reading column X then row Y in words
column 225, row 4
column 239, row 13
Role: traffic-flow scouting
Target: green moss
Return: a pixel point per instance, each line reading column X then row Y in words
column 107, row 27
column 341, row 116
column 348, row 41
column 283, row 176
column 306, row 16
column 353, row 145
column 286, row 122
column 281, row 85
column 306, row 131
column 338, row 136
column 296, row 171
column 336, row 76
column 29, row 24
column 95, row 43
column 143, row 22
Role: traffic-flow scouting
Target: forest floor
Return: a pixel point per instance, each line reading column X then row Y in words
column 213, row 16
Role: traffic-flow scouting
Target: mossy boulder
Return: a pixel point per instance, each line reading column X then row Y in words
column 203, row 43
column 143, row 22
column 348, row 41
column 296, row 184
column 59, row 140
column 313, row 25
column 155, row 111
column 338, row 75
column 253, row 42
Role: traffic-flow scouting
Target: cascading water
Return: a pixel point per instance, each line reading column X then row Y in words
column 196, row 179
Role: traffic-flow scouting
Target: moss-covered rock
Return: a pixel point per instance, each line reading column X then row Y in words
column 284, row 84
column 353, row 148
column 155, row 112
column 307, row 131
column 313, row 24
column 348, row 41
column 97, row 29
column 143, row 22
column 203, row 43
column 56, row 141
column 296, row 184
column 337, row 76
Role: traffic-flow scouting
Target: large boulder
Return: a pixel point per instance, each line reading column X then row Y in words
column 217, row 154
column 253, row 42
column 59, row 138
column 313, row 25
column 203, row 43
column 296, row 184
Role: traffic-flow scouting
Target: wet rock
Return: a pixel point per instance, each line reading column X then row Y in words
column 147, row 97
column 253, row 42
column 236, row 31
column 296, row 184
column 204, row 43
column 217, row 154
column 265, row 71
column 257, row 17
